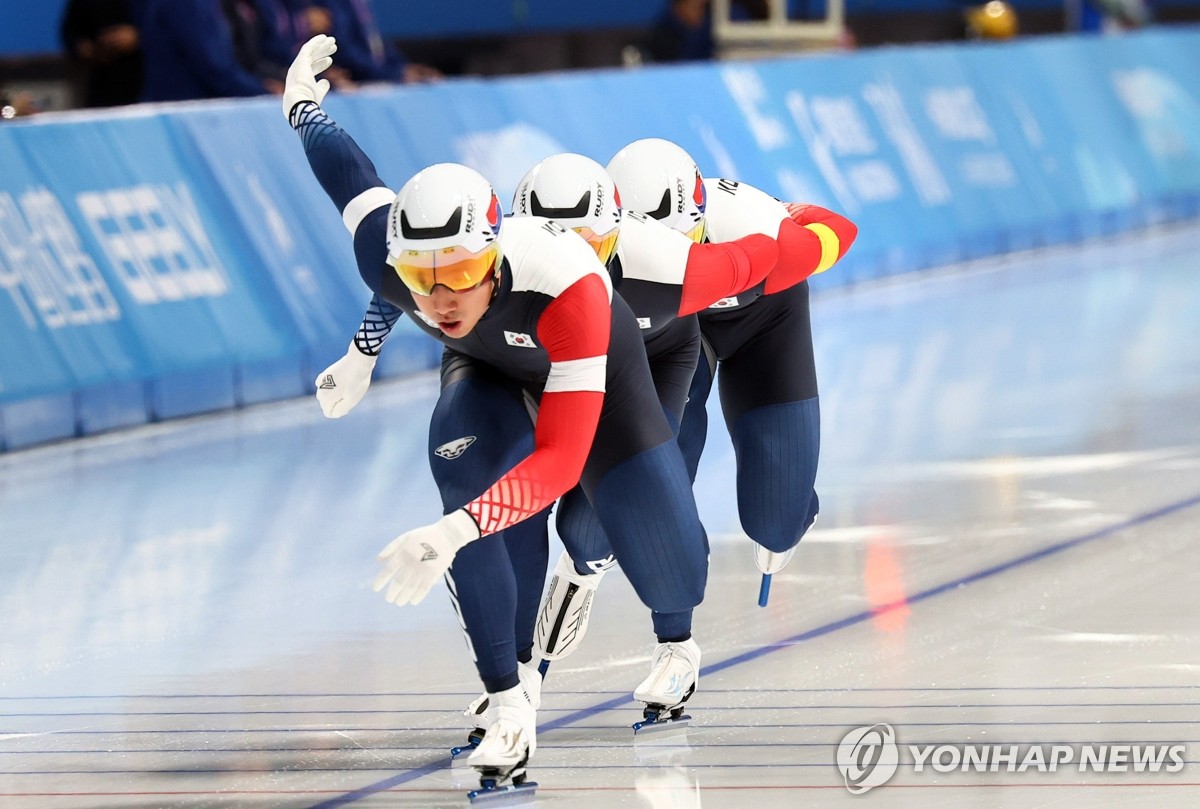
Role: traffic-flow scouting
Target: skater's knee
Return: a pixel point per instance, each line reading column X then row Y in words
column 683, row 593
column 780, row 528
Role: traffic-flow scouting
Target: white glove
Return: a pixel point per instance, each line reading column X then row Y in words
column 415, row 560
column 342, row 385
column 301, row 84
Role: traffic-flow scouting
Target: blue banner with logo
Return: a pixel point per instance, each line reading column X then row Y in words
column 175, row 260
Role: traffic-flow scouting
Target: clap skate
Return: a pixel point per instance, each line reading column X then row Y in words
column 674, row 673
column 504, row 751
column 531, row 681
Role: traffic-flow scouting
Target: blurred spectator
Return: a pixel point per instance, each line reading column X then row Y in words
column 993, row 20
column 279, row 30
column 682, row 34
column 364, row 52
column 13, row 105
column 278, row 38
column 257, row 45
column 1110, row 16
column 102, row 37
column 285, row 25
column 309, row 19
column 189, row 53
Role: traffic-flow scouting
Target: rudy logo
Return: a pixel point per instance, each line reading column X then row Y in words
column 868, row 757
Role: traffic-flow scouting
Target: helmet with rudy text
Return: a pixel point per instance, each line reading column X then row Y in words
column 576, row 192
column 443, row 229
column 660, row 179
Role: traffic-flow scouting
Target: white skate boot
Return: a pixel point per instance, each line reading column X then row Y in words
column 674, row 674
column 563, row 617
column 477, row 711
column 508, row 744
column 771, row 562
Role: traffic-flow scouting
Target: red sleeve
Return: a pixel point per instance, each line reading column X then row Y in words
column 811, row 241
column 845, row 230
column 574, row 330
column 716, row 271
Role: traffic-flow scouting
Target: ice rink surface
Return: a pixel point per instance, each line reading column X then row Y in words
column 1007, row 554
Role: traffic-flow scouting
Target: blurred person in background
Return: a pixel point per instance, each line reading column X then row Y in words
column 1112, row 16
column 362, row 50
column 103, row 38
column 13, row 105
column 683, row 33
column 258, row 45
column 283, row 26
column 190, row 53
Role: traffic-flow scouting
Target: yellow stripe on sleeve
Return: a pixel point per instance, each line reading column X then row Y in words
column 830, row 245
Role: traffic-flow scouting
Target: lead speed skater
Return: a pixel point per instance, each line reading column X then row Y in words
column 526, row 315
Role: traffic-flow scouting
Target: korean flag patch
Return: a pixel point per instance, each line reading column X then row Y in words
column 519, row 339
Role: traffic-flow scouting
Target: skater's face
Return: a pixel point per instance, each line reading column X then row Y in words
column 456, row 313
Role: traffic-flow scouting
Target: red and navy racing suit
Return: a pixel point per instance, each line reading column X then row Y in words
column 761, row 340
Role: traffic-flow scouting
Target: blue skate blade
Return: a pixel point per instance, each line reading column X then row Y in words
column 456, row 753
column 508, row 795
column 764, row 590
column 663, row 726
column 458, row 756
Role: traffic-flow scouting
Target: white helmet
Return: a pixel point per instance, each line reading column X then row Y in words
column 443, row 228
column 660, row 179
column 576, row 192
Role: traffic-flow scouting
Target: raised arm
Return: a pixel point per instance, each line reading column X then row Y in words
column 349, row 178
column 343, row 169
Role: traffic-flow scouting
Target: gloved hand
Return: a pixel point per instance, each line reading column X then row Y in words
column 315, row 56
column 342, row 385
column 415, row 560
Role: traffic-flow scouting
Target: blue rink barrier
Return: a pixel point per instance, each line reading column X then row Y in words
column 168, row 261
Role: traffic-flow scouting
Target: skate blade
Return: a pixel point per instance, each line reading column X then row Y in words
column 764, row 590
column 507, row 795
column 648, row 728
column 457, row 754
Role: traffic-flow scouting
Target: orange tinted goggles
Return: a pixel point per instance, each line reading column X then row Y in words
column 604, row 245
column 698, row 233
column 454, row 268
